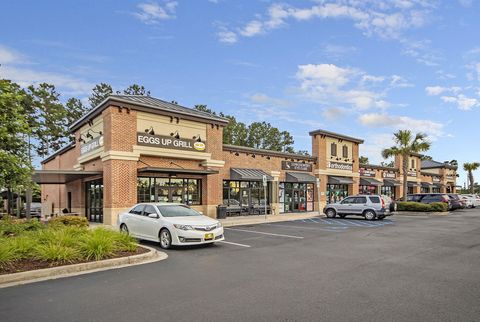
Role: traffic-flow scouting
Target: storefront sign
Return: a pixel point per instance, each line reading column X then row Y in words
column 436, row 179
column 296, row 166
column 389, row 175
column 91, row 145
column 169, row 142
column 412, row 173
column 450, row 177
column 367, row 173
column 340, row 166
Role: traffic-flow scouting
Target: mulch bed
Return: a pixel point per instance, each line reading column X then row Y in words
column 33, row 264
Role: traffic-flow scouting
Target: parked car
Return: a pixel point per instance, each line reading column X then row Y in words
column 456, row 202
column 35, row 210
column 471, row 200
column 369, row 206
column 429, row 198
column 170, row 224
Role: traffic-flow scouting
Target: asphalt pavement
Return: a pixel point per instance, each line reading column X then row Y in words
column 404, row 268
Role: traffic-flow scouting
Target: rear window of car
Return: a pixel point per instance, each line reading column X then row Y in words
column 431, row 198
column 414, row 197
column 374, row 199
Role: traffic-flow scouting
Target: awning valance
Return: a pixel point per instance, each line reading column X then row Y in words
column 182, row 171
column 426, row 184
column 438, row 185
column 300, row 177
column 391, row 183
column 412, row 184
column 339, row 180
column 370, row 182
column 248, row 174
column 61, row 176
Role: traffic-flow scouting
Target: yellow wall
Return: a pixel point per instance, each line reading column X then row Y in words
column 162, row 126
column 340, row 145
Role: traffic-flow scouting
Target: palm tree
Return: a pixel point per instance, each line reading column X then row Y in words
column 470, row 167
column 406, row 145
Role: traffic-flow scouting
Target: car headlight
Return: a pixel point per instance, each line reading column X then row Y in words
column 183, row 227
column 219, row 224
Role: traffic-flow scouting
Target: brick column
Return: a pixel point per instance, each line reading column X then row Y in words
column 213, row 191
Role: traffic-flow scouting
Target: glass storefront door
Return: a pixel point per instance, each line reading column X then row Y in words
column 296, row 197
column 336, row 192
column 245, row 197
column 94, row 200
column 388, row 191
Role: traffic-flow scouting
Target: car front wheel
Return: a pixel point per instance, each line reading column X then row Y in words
column 331, row 213
column 165, row 239
column 369, row 215
column 124, row 229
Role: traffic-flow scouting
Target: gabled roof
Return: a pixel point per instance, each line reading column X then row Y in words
column 430, row 164
column 146, row 103
column 336, row 135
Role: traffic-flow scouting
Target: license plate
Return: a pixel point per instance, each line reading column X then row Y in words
column 208, row 236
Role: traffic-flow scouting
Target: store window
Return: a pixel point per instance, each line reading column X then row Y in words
column 333, row 149
column 336, row 192
column 413, row 163
column 368, row 190
column 186, row 191
column 245, row 197
column 410, row 190
column 296, row 197
column 425, row 189
column 388, row 191
column 435, row 190
column 345, row 151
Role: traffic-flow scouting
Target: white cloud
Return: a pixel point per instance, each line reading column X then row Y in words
column 432, row 128
column 421, row 51
column 328, row 83
column 227, row 36
column 435, row 90
column 385, row 19
column 8, row 55
column 334, row 113
column 153, row 13
column 264, row 99
column 463, row 102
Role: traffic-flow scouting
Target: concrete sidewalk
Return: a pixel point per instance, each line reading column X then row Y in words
column 249, row 220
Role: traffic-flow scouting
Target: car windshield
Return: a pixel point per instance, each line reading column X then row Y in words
column 177, row 211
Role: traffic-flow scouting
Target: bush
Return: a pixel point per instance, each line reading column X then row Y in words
column 125, row 242
column 69, row 221
column 14, row 227
column 421, row 207
column 52, row 252
column 7, row 252
column 98, row 244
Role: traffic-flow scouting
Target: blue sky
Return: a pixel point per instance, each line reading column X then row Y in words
column 362, row 68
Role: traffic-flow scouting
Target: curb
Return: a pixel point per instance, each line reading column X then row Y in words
column 44, row 274
column 418, row 214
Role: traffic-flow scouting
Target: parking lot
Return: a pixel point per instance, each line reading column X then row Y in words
column 403, row 268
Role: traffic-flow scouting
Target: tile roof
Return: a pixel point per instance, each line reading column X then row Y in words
column 429, row 164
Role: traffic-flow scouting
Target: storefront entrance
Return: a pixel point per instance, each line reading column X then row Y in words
column 245, row 197
column 296, row 197
column 94, row 200
column 336, row 192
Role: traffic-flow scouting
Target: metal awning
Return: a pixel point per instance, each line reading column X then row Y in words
column 170, row 170
column 391, row 183
column 426, row 184
column 339, row 180
column 438, row 185
column 300, row 177
column 412, row 184
column 61, row 176
column 370, row 182
column 248, row 174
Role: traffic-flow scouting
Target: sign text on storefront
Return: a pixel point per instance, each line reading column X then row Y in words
column 297, row 166
column 340, row 166
column 169, row 142
column 367, row 173
column 389, row 175
column 91, row 145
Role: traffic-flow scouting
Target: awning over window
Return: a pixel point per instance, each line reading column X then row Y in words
column 391, row 183
column 438, row 185
column 248, row 174
column 412, row 184
column 370, row 182
column 426, row 184
column 170, row 170
column 300, row 177
column 61, row 176
column 339, row 180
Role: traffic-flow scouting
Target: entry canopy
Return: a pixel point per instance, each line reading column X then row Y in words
column 426, row 184
column 183, row 171
column 248, row 174
column 412, row 184
column 339, row 180
column 300, row 177
column 370, row 182
column 391, row 183
column 61, row 176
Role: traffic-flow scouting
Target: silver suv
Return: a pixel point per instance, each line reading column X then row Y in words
column 369, row 206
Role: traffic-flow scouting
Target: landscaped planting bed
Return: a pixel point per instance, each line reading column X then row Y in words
column 29, row 245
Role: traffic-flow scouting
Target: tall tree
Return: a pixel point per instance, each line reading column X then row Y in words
column 136, row 89
column 99, row 93
column 470, row 167
column 406, row 145
column 51, row 128
column 74, row 110
column 363, row 160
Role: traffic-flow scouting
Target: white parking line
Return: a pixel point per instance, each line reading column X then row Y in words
column 236, row 244
column 354, row 223
column 327, row 228
column 264, row 233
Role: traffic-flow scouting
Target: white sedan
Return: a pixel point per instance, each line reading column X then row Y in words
column 170, row 224
column 471, row 201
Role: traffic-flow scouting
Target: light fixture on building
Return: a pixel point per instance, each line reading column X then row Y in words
column 236, row 154
column 268, row 158
column 175, row 135
column 197, row 138
column 253, row 155
column 150, row 130
column 88, row 135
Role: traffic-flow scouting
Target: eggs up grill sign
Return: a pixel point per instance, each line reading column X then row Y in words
column 169, row 142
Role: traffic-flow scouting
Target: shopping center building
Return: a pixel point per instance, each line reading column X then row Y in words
column 133, row 149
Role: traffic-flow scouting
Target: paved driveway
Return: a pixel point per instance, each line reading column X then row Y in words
column 402, row 269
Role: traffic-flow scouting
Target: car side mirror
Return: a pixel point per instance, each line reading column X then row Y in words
column 155, row 216
column 200, row 212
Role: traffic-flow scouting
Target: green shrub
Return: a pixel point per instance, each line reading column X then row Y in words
column 14, row 227
column 98, row 244
column 439, row 206
column 76, row 221
column 24, row 246
column 125, row 242
column 7, row 252
column 52, row 252
column 421, row 207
